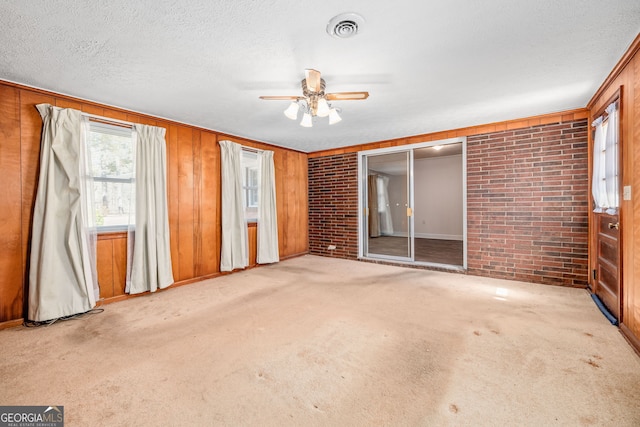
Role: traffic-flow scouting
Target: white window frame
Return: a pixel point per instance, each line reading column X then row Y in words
column 105, row 127
column 250, row 192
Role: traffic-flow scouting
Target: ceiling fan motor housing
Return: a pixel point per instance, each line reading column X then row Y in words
column 313, row 97
column 308, row 93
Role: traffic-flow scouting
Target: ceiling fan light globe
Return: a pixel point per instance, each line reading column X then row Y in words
column 323, row 108
column 334, row 117
column 292, row 111
column 306, row 121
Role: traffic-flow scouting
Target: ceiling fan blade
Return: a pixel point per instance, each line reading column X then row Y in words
column 313, row 79
column 281, row 98
column 346, row 96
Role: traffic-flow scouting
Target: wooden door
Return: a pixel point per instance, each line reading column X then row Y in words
column 607, row 271
column 605, row 233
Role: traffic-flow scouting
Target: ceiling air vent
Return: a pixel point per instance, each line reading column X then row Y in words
column 345, row 25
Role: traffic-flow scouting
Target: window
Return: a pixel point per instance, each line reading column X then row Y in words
column 250, row 184
column 605, row 178
column 112, row 168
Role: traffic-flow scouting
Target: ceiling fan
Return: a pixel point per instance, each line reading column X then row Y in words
column 315, row 102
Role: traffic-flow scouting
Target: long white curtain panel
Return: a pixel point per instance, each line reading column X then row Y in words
column 234, row 251
column 267, row 212
column 62, row 278
column 150, row 257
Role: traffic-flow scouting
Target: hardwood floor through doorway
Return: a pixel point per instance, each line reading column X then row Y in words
column 449, row 252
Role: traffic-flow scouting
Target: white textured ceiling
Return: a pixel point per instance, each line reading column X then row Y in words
column 427, row 65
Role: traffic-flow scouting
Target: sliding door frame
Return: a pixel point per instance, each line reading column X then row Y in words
column 362, row 200
column 363, row 203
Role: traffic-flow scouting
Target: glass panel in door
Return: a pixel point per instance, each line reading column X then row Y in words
column 388, row 221
column 438, row 204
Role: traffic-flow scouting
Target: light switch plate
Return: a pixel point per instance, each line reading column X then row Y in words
column 626, row 192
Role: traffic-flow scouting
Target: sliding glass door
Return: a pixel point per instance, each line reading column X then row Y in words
column 388, row 206
column 413, row 204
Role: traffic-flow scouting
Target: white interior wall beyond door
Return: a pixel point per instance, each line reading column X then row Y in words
column 435, row 185
column 398, row 202
column 438, row 198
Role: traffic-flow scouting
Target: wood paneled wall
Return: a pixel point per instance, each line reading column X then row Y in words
column 626, row 77
column 193, row 175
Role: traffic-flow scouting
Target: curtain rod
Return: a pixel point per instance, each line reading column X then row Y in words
column 603, row 111
column 244, row 147
column 251, row 149
column 107, row 120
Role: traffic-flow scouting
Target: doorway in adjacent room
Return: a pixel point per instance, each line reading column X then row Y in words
column 412, row 201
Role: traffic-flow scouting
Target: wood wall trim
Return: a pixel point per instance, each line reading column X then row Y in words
column 11, row 324
column 112, row 235
column 621, row 65
column 544, row 119
column 617, row 96
column 11, row 297
column 294, row 255
column 630, row 337
column 70, row 102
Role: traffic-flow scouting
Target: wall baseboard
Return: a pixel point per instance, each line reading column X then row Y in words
column 439, row 236
column 11, row 324
column 631, row 338
column 431, row 236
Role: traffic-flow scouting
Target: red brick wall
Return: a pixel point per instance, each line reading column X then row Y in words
column 526, row 204
column 333, row 205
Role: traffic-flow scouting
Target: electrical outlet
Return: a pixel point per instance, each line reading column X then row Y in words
column 626, row 192
column 332, row 247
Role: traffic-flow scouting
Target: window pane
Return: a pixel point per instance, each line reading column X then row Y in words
column 253, row 177
column 111, row 155
column 112, row 166
column 114, row 203
column 250, row 184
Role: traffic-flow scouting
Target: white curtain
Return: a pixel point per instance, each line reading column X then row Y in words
column 88, row 211
column 384, row 209
column 267, row 214
column 151, row 255
column 234, row 251
column 61, row 276
column 604, row 185
column 611, row 159
column 373, row 213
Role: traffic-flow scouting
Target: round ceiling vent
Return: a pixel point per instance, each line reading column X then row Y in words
column 345, row 25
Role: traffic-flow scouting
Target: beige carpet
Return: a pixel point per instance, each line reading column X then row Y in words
column 320, row 341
